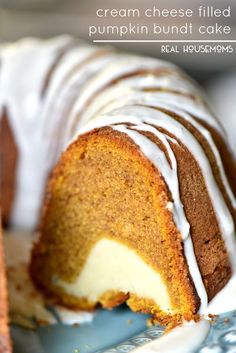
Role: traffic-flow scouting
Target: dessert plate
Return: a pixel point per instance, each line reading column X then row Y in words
column 117, row 331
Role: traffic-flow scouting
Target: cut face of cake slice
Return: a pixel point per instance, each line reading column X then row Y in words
column 123, row 222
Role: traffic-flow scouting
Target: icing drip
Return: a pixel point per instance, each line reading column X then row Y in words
column 113, row 101
column 151, row 116
column 121, row 66
column 64, row 100
column 165, row 89
column 157, row 157
column 140, row 115
column 22, row 100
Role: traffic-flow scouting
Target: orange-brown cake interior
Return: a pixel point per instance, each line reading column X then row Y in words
column 103, row 187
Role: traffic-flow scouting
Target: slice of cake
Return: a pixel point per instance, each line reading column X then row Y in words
column 134, row 213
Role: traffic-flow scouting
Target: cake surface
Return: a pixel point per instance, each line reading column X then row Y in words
column 140, row 206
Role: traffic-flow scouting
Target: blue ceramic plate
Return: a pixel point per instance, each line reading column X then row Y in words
column 115, row 331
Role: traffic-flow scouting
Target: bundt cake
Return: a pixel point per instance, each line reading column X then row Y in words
column 5, row 345
column 140, row 205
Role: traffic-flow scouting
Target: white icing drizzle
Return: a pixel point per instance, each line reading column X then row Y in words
column 126, row 93
column 21, row 96
column 122, row 65
column 139, row 115
column 63, row 90
column 152, row 99
column 122, row 95
column 101, row 93
column 157, row 157
column 151, row 116
column 29, row 112
column 65, row 99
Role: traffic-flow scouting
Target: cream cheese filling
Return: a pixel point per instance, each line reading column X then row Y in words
column 114, row 266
